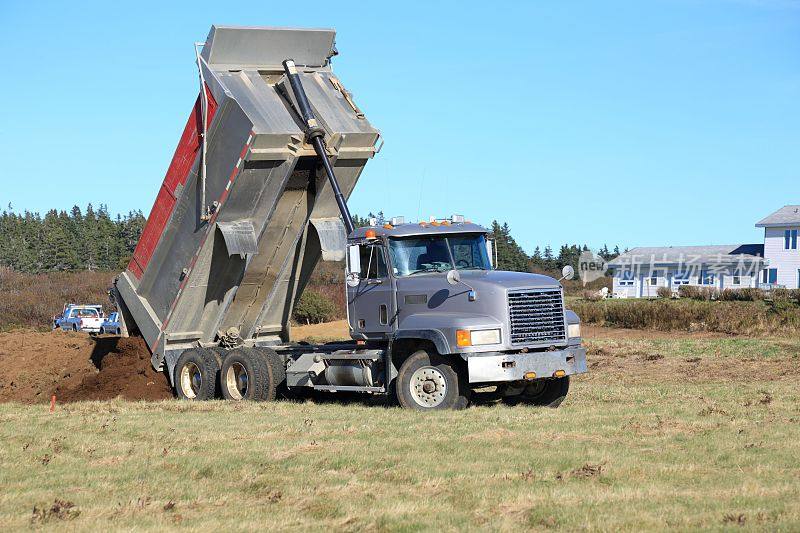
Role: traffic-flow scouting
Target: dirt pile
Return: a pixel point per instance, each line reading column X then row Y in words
column 75, row 367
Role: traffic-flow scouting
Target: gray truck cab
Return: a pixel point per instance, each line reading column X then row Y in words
column 431, row 286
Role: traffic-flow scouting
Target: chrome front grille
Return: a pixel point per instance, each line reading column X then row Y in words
column 536, row 316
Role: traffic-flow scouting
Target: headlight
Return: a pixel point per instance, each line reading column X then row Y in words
column 478, row 337
column 574, row 331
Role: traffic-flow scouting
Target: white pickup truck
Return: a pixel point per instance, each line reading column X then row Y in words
column 74, row 317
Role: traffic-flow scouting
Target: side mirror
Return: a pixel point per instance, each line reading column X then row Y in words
column 453, row 277
column 353, row 265
column 567, row 272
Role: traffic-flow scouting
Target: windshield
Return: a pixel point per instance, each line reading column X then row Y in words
column 413, row 255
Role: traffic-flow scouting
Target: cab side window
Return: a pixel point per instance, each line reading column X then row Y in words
column 373, row 264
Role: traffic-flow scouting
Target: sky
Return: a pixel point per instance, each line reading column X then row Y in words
column 666, row 122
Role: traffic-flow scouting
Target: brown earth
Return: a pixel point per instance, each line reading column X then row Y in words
column 73, row 366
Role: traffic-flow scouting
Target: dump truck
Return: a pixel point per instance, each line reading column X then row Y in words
column 256, row 194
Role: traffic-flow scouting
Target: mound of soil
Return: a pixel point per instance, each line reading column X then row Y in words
column 75, row 367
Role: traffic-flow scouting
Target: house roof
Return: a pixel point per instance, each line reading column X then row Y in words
column 691, row 255
column 787, row 215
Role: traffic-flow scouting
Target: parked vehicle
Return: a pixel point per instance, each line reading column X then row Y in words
column 111, row 325
column 211, row 285
column 76, row 317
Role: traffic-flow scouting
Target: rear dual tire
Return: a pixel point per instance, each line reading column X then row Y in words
column 251, row 374
column 241, row 374
column 196, row 375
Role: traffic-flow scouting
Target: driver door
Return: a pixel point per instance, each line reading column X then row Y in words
column 370, row 301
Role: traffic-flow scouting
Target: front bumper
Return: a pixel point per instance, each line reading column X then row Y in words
column 495, row 367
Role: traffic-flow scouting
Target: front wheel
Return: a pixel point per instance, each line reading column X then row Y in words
column 546, row 392
column 426, row 382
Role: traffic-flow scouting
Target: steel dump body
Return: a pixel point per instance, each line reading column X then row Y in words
column 272, row 215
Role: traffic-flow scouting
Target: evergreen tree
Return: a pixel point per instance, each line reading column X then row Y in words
column 68, row 240
column 510, row 255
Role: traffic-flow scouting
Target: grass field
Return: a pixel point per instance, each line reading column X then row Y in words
column 665, row 432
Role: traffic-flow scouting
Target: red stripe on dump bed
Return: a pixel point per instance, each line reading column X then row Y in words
column 177, row 174
column 209, row 228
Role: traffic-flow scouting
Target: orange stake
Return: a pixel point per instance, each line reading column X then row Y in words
column 53, row 403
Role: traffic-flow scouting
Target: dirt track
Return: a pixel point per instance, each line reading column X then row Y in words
column 74, row 366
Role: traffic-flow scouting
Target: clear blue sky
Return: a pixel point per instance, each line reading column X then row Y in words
column 631, row 122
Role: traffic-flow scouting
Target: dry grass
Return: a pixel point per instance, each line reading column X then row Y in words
column 657, row 436
column 31, row 300
column 731, row 317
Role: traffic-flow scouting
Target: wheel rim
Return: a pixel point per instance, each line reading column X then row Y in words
column 191, row 380
column 236, row 380
column 428, row 386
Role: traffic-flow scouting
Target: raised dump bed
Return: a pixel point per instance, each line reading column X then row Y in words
column 245, row 210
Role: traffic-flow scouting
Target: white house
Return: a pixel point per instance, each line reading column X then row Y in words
column 781, row 247
column 640, row 272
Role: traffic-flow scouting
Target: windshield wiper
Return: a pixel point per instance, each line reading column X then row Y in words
column 429, row 269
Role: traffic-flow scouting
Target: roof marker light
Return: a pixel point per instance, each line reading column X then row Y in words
column 370, row 234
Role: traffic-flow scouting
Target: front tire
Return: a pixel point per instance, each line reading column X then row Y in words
column 427, row 382
column 196, row 375
column 544, row 392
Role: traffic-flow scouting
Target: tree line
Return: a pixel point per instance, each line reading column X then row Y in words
column 511, row 256
column 93, row 240
column 65, row 241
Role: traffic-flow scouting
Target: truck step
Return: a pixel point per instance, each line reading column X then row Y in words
column 348, row 388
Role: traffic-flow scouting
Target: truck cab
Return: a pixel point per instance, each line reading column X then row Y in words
column 431, row 287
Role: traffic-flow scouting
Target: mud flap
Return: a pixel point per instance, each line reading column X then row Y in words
column 332, row 238
column 240, row 237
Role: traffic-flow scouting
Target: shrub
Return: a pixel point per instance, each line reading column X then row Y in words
column 31, row 300
column 698, row 293
column 592, row 296
column 736, row 318
column 664, row 292
column 742, row 295
column 785, row 295
column 313, row 308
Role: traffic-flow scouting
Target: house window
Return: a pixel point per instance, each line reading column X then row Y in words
column 769, row 276
column 707, row 277
column 626, row 278
column 654, row 275
column 680, row 278
column 790, row 239
column 737, row 277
